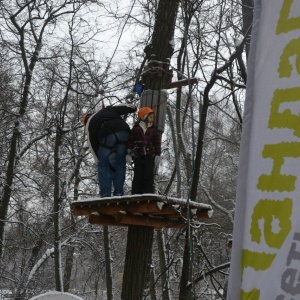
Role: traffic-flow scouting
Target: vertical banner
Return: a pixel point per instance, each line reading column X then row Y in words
column 265, row 262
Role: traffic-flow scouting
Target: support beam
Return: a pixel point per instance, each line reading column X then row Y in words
column 103, row 220
column 157, row 223
column 181, row 83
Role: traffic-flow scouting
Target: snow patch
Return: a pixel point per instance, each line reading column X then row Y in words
column 237, row 41
column 188, row 283
column 193, row 211
column 53, row 295
column 160, row 205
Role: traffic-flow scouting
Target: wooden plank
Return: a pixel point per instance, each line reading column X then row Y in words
column 84, row 210
column 142, row 220
column 112, row 209
column 152, row 210
column 103, row 220
column 202, row 214
column 127, row 219
column 143, row 207
column 81, row 211
column 137, row 198
column 169, row 209
column 180, row 83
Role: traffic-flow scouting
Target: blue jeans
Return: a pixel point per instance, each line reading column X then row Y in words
column 116, row 142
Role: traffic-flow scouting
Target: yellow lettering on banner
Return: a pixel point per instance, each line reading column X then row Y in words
column 286, row 24
column 285, row 67
column 277, row 181
column 268, row 210
column 285, row 119
column 252, row 295
column 256, row 260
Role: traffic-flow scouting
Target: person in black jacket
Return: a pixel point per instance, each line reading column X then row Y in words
column 107, row 134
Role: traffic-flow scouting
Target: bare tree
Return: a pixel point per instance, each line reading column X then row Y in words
column 28, row 24
column 50, row 165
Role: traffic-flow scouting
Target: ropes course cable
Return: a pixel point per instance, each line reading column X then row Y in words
column 119, row 39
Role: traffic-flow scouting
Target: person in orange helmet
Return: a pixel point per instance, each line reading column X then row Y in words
column 144, row 145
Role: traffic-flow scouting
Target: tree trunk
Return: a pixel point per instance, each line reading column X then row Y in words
column 68, row 268
column 71, row 249
column 8, row 185
column 24, row 280
column 247, row 11
column 152, row 282
column 139, row 242
column 109, row 285
column 56, row 215
column 199, row 150
column 10, row 174
column 186, row 279
column 138, row 255
column 187, row 270
column 176, row 152
column 163, row 266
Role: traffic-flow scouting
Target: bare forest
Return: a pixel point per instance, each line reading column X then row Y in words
column 56, row 59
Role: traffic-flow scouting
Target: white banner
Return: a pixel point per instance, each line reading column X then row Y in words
column 266, row 242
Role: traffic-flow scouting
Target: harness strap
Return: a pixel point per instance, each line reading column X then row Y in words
column 118, row 141
column 146, row 147
column 111, row 147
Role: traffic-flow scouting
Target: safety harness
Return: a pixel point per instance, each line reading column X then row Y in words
column 145, row 146
column 105, row 125
column 112, row 148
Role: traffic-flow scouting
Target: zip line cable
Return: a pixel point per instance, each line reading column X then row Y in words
column 119, row 39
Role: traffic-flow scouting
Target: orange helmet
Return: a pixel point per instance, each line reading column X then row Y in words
column 144, row 112
column 85, row 118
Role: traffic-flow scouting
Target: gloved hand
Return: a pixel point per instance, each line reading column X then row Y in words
column 128, row 158
column 156, row 161
column 132, row 154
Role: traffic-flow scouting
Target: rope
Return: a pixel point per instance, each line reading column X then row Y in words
column 119, row 39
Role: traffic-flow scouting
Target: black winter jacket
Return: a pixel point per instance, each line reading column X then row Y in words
column 106, row 121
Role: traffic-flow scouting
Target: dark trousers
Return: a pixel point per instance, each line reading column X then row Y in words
column 143, row 178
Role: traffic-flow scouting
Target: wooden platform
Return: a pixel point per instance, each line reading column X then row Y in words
column 145, row 210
